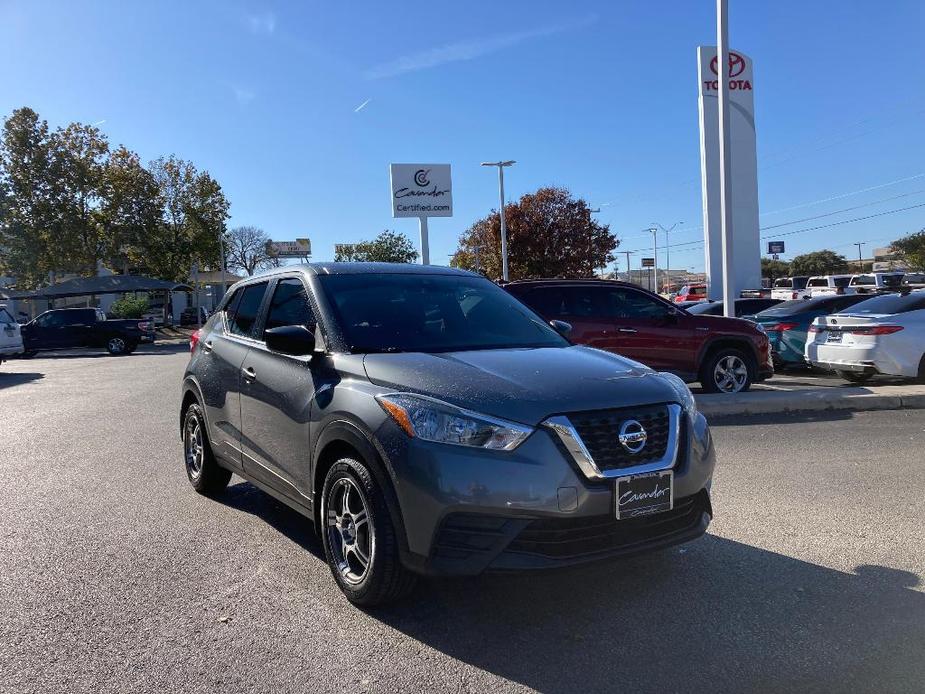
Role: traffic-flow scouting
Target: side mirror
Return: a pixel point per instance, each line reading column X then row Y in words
column 296, row 340
column 561, row 327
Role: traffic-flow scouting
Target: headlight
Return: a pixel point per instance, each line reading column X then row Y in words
column 434, row 420
column 685, row 396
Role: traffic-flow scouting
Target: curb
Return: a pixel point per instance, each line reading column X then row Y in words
column 851, row 399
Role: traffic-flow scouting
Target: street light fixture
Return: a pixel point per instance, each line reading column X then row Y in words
column 501, row 165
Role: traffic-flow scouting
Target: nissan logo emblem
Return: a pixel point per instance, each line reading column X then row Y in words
column 736, row 65
column 632, row 436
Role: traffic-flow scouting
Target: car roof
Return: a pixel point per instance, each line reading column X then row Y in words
column 366, row 268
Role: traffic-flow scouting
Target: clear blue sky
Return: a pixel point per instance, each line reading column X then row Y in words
column 600, row 97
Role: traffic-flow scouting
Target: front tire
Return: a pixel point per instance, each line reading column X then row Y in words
column 359, row 539
column 203, row 471
column 727, row 371
column 116, row 346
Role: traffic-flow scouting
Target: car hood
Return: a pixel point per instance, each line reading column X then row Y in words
column 523, row 385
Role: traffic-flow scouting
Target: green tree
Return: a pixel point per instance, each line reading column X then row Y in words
column 388, row 247
column 24, row 184
column 912, row 248
column 78, row 159
column 819, row 263
column 772, row 269
column 194, row 211
column 550, row 234
column 129, row 307
column 131, row 211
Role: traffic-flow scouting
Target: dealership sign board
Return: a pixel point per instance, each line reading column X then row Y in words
column 775, row 247
column 421, row 190
column 746, row 246
column 648, row 262
column 290, row 249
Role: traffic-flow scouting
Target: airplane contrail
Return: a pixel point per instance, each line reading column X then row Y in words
column 361, row 106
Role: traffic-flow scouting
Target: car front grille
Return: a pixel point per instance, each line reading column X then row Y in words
column 600, row 429
column 575, row 538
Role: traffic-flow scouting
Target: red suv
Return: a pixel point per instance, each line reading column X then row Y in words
column 724, row 354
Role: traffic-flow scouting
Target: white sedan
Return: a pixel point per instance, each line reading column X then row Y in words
column 883, row 335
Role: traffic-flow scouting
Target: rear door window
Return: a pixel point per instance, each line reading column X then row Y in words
column 243, row 321
column 628, row 303
column 863, row 281
column 785, row 283
column 818, row 282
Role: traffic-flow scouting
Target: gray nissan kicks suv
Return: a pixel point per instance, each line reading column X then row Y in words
column 427, row 422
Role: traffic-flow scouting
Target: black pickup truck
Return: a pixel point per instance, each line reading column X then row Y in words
column 65, row 328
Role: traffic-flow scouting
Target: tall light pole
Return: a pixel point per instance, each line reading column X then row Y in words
column 501, row 165
column 667, row 248
column 725, row 164
column 629, row 277
column 860, row 257
column 655, row 255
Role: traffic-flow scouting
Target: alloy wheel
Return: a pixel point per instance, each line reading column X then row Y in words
column 730, row 374
column 193, row 446
column 116, row 345
column 350, row 535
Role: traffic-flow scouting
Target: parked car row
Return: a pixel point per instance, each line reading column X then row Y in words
column 804, row 287
column 68, row 328
column 848, row 334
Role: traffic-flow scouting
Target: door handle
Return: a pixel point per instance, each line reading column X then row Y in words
column 627, row 330
column 207, row 345
column 249, row 374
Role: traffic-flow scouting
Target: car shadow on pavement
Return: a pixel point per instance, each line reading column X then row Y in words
column 715, row 615
column 244, row 496
column 93, row 353
column 8, row 380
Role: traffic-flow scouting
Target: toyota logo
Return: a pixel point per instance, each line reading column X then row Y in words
column 736, row 64
column 632, row 436
column 420, row 178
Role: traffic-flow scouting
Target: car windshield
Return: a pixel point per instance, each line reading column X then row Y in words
column 384, row 312
column 889, row 303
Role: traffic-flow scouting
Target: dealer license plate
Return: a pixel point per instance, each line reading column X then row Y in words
column 641, row 495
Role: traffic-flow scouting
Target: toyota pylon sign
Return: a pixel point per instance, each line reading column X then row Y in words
column 746, row 247
column 421, row 190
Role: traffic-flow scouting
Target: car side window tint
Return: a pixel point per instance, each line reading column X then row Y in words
column 290, row 305
column 549, row 302
column 627, row 303
column 243, row 321
column 580, row 302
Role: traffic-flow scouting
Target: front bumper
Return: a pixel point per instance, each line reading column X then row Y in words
column 466, row 511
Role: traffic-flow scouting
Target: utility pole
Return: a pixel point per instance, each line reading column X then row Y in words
column 725, row 164
column 501, row 165
column 591, row 242
column 860, row 257
column 629, row 277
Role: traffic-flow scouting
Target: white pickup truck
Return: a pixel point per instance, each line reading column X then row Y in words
column 10, row 336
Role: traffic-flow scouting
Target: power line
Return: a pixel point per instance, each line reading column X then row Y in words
column 846, row 209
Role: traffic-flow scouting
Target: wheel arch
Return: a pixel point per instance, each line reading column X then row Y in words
column 728, row 342
column 343, row 437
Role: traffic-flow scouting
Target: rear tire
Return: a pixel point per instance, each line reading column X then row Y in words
column 203, row 471
column 727, row 371
column 116, row 346
column 360, row 542
column 921, row 376
column 855, row 376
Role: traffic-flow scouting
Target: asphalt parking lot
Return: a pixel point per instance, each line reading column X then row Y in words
column 115, row 576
